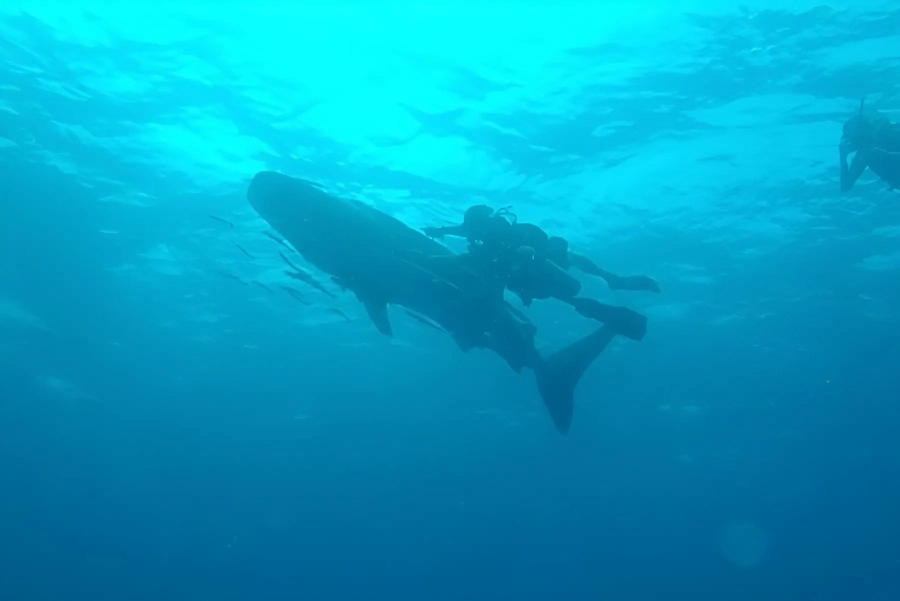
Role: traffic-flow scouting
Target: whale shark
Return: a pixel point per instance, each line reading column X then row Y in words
column 382, row 261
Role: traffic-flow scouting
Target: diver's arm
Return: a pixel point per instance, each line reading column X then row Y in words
column 850, row 174
column 615, row 282
column 447, row 230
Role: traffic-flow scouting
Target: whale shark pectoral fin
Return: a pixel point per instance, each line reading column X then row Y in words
column 378, row 314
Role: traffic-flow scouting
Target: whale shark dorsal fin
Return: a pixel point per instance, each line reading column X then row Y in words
column 378, row 314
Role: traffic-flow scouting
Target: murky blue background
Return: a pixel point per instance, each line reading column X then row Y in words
column 170, row 429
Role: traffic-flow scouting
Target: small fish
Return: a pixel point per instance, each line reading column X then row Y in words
column 422, row 320
column 225, row 221
column 231, row 276
column 308, row 279
column 288, row 261
column 296, row 294
column 305, row 277
column 339, row 312
column 261, row 285
column 241, row 248
column 278, row 240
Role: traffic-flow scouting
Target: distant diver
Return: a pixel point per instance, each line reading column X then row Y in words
column 876, row 142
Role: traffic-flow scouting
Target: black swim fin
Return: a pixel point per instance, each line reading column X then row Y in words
column 558, row 375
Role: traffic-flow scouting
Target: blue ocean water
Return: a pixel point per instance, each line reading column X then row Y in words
column 175, row 426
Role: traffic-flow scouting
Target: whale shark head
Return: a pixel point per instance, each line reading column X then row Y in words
column 324, row 229
column 277, row 198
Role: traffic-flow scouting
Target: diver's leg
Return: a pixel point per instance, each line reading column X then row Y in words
column 528, row 328
column 623, row 320
column 542, row 279
column 494, row 324
column 513, row 340
column 633, row 282
column 615, row 282
column 585, row 265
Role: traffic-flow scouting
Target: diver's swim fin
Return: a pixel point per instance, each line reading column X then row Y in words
column 623, row 320
column 558, row 375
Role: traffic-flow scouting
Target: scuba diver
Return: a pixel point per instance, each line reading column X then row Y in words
column 490, row 231
column 524, row 259
column 876, row 142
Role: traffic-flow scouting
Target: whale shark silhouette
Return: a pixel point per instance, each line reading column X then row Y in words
column 385, row 262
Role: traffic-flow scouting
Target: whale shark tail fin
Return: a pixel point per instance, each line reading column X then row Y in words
column 558, row 375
